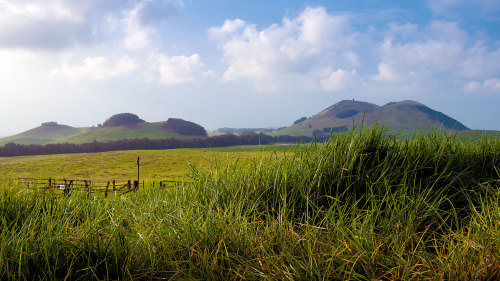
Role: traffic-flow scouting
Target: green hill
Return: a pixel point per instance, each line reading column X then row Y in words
column 400, row 116
column 117, row 127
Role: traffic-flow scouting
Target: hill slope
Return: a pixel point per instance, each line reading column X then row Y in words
column 405, row 115
column 117, row 127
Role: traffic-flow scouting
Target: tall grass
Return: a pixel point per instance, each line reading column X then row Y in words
column 364, row 205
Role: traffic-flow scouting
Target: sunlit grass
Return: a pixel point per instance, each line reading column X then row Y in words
column 364, row 206
column 121, row 165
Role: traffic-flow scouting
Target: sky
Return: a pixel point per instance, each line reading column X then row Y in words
column 244, row 64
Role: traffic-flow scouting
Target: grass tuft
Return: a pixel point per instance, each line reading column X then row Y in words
column 366, row 205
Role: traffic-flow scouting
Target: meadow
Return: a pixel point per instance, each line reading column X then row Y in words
column 366, row 205
column 122, row 165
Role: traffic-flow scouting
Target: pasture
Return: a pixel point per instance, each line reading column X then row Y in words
column 363, row 206
column 121, row 165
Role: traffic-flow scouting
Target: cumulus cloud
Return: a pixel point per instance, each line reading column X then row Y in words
column 338, row 80
column 478, row 62
column 491, row 85
column 446, row 31
column 438, row 48
column 292, row 54
column 139, row 23
column 386, row 74
column 137, row 35
column 41, row 24
column 60, row 24
column 179, row 69
column 95, row 68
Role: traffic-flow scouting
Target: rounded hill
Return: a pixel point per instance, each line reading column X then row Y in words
column 183, row 127
column 122, row 119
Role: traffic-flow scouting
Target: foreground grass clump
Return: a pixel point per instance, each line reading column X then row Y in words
column 363, row 206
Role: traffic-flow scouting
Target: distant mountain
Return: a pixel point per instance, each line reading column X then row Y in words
column 405, row 115
column 117, row 127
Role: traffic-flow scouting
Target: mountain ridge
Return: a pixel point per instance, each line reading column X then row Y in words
column 117, row 127
column 405, row 115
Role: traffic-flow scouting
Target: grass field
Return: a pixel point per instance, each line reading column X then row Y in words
column 121, row 165
column 364, row 206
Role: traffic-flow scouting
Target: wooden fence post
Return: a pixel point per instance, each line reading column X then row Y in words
column 114, row 185
column 106, row 192
column 68, row 187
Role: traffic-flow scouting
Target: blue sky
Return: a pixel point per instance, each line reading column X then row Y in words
column 244, row 63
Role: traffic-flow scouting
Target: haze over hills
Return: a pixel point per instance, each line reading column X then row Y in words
column 405, row 115
column 117, row 127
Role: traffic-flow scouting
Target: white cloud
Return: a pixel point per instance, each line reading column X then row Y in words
column 386, row 73
column 97, row 68
column 42, row 10
column 338, row 80
column 472, row 86
column 227, row 29
column 487, row 86
column 179, row 69
column 61, row 24
column 405, row 30
column 478, row 62
column 427, row 56
column 439, row 48
column 446, row 31
column 292, row 54
column 40, row 24
column 493, row 84
column 137, row 35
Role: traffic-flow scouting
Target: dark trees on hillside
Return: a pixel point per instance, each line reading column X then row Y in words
column 122, row 119
column 299, row 120
column 12, row 149
column 183, row 127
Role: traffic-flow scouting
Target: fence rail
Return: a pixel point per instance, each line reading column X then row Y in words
column 108, row 187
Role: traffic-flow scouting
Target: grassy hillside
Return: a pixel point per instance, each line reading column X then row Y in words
column 103, row 134
column 364, row 206
column 479, row 134
column 399, row 116
column 45, row 134
column 56, row 133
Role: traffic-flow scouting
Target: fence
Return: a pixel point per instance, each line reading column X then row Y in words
column 109, row 187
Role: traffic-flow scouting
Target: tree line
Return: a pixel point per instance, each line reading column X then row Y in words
column 13, row 149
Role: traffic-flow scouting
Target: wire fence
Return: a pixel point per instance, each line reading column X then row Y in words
column 109, row 187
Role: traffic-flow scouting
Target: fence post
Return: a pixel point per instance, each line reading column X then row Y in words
column 106, row 192
column 114, row 185
column 50, row 182
column 68, row 187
